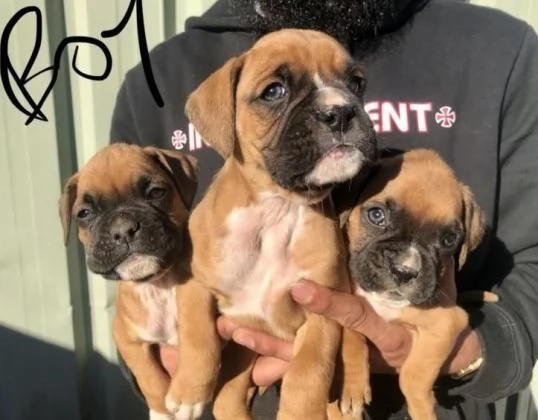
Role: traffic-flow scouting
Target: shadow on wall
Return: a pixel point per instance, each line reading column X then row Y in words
column 39, row 380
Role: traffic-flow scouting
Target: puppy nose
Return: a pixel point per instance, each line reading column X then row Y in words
column 408, row 265
column 403, row 273
column 124, row 229
column 337, row 117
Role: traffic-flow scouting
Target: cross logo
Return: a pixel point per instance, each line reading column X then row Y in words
column 446, row 117
column 178, row 139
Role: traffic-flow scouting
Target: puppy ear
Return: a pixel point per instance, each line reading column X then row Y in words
column 211, row 107
column 474, row 223
column 183, row 169
column 67, row 200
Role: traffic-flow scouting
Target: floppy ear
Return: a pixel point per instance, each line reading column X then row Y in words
column 67, row 200
column 182, row 169
column 211, row 107
column 474, row 223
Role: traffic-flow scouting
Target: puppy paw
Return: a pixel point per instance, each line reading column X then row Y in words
column 354, row 398
column 155, row 415
column 183, row 410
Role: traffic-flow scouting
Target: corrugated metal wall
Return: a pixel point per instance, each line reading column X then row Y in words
column 57, row 358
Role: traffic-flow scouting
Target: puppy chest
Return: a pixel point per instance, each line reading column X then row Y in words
column 159, row 305
column 255, row 264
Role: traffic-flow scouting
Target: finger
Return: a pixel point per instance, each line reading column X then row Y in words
column 349, row 310
column 268, row 370
column 226, row 327
column 393, row 342
column 378, row 364
column 168, row 356
column 264, row 344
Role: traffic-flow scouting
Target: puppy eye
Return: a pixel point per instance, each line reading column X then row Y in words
column 84, row 214
column 357, row 84
column 449, row 240
column 376, row 215
column 274, row 92
column 155, row 193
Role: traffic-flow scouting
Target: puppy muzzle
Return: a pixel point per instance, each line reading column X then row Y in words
column 132, row 243
column 327, row 139
column 398, row 272
column 339, row 164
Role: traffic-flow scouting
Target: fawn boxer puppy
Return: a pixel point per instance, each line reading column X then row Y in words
column 288, row 118
column 131, row 206
column 413, row 216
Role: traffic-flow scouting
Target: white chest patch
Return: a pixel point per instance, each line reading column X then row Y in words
column 254, row 262
column 387, row 308
column 161, row 309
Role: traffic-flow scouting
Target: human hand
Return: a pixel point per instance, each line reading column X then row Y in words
column 390, row 342
column 349, row 310
column 168, row 356
column 275, row 354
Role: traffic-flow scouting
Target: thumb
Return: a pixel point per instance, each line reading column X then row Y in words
column 352, row 312
column 348, row 310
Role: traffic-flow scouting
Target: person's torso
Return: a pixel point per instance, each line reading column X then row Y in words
column 439, row 85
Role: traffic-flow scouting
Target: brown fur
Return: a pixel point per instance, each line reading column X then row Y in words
column 111, row 173
column 427, row 188
column 221, row 112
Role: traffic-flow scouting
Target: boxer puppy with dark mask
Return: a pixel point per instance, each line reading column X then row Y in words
column 411, row 218
column 288, row 118
column 131, row 206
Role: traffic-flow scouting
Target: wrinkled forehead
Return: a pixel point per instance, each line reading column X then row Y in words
column 118, row 172
column 304, row 53
column 428, row 194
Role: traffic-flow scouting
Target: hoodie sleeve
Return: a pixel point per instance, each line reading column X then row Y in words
column 508, row 330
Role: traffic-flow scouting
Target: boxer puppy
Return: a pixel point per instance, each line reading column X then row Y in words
column 131, row 206
column 413, row 216
column 288, row 118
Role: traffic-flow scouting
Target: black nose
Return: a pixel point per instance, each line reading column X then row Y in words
column 124, row 228
column 337, row 117
column 404, row 273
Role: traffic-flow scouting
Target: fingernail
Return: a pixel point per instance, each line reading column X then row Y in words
column 302, row 293
column 244, row 339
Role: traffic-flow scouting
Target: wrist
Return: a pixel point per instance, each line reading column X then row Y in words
column 466, row 354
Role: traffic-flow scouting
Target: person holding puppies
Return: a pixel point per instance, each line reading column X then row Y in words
column 441, row 74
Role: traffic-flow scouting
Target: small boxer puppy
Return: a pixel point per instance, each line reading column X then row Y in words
column 288, row 118
column 413, row 216
column 131, row 206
